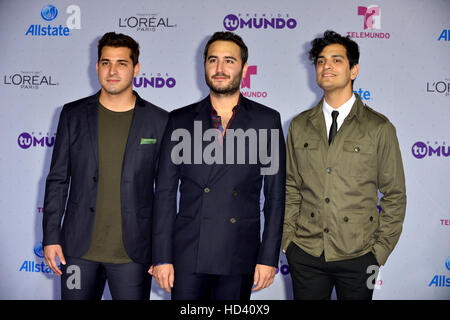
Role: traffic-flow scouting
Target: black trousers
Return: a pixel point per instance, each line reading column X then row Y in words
column 192, row 286
column 313, row 278
column 85, row 280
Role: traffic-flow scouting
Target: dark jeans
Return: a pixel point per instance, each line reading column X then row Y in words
column 313, row 278
column 85, row 280
column 211, row 287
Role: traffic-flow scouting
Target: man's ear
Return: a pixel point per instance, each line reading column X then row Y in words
column 354, row 71
column 137, row 68
column 244, row 70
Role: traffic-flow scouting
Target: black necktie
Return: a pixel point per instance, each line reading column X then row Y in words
column 333, row 129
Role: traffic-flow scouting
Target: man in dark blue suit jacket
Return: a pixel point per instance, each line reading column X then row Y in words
column 221, row 150
column 104, row 166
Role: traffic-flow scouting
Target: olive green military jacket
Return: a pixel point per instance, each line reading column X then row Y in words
column 332, row 190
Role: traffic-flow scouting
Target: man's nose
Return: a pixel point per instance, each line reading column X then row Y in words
column 113, row 69
column 219, row 67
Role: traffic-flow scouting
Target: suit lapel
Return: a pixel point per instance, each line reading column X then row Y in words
column 203, row 115
column 241, row 121
column 133, row 140
column 92, row 121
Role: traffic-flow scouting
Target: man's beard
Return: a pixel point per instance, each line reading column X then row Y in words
column 231, row 89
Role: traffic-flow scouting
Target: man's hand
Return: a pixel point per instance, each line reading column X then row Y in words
column 50, row 253
column 164, row 275
column 264, row 276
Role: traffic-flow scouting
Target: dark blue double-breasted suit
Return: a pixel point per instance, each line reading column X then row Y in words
column 216, row 227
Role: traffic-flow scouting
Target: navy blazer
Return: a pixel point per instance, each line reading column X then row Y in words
column 74, row 170
column 217, row 227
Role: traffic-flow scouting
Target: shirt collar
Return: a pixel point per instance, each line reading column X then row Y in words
column 344, row 109
column 234, row 110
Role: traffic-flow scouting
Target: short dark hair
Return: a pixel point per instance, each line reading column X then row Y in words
column 227, row 36
column 331, row 37
column 116, row 40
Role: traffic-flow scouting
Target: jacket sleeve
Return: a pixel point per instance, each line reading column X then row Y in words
column 293, row 196
column 274, row 190
column 165, row 205
column 391, row 183
column 57, row 184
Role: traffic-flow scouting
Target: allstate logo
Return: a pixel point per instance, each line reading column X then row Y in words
column 231, row 22
column 447, row 263
column 38, row 250
column 24, row 140
column 419, row 150
column 49, row 12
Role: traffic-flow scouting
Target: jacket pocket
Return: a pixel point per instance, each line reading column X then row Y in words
column 359, row 158
column 307, row 154
column 308, row 224
column 350, row 233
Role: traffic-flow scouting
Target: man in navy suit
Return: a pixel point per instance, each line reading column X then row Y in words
column 104, row 165
column 221, row 150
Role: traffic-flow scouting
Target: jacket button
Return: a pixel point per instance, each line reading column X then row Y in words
column 312, row 214
column 234, row 193
column 325, row 230
column 346, row 219
column 233, row 220
column 91, row 209
column 207, row 190
column 327, row 200
column 94, row 179
column 371, row 218
column 306, row 145
column 356, row 149
column 329, row 170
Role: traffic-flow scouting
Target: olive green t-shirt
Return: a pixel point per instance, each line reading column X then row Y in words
column 106, row 242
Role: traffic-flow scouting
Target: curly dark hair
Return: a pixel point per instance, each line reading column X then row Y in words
column 227, row 36
column 116, row 40
column 331, row 37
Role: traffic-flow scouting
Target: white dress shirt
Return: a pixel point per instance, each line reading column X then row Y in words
column 343, row 110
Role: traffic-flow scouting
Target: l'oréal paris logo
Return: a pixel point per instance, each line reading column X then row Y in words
column 29, row 80
column 146, row 22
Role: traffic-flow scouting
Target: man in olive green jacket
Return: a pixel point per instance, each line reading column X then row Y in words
column 336, row 164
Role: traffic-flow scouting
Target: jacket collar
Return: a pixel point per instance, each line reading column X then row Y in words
column 95, row 98
column 318, row 120
column 356, row 111
column 243, row 116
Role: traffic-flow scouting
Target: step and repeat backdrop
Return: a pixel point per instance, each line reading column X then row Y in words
column 48, row 56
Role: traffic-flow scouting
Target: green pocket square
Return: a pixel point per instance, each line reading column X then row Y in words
column 148, row 140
